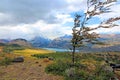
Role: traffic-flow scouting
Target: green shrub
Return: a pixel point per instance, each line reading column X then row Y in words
column 10, row 48
column 40, row 56
column 57, row 56
column 57, row 68
column 6, row 61
column 2, row 44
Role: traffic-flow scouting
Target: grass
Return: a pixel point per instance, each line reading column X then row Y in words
column 30, row 68
column 85, row 63
column 6, row 61
column 56, row 56
column 29, row 52
column 87, row 66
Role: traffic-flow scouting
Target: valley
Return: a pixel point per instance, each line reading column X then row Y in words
column 55, row 63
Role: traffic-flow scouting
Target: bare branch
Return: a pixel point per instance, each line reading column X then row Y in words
column 112, row 20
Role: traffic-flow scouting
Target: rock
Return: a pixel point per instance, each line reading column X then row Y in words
column 108, row 69
column 70, row 72
column 114, row 65
column 50, row 58
column 36, row 62
column 18, row 59
column 40, row 65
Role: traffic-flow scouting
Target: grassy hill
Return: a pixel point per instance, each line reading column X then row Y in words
column 41, row 64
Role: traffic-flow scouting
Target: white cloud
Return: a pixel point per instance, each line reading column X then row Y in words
column 39, row 28
column 43, row 17
column 64, row 18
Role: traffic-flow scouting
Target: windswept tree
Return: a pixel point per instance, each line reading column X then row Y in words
column 82, row 32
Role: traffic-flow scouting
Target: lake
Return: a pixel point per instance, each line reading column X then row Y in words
column 58, row 49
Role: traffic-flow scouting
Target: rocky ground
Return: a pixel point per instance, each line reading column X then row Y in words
column 31, row 69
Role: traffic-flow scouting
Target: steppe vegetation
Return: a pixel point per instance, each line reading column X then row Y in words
column 31, row 69
column 88, row 66
column 43, row 64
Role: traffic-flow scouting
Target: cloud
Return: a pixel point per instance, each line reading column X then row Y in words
column 5, row 19
column 48, row 18
column 39, row 28
column 30, row 11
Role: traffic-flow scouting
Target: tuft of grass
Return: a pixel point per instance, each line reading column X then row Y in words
column 6, row 61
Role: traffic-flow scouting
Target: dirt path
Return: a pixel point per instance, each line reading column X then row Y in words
column 30, row 69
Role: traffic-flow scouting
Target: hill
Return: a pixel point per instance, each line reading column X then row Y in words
column 61, row 42
column 4, row 40
column 21, row 42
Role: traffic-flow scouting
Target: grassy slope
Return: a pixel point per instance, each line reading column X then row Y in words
column 29, row 52
column 90, row 61
column 30, row 69
column 33, row 68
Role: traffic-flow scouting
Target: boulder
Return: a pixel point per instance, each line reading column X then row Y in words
column 108, row 69
column 18, row 59
column 70, row 72
column 50, row 58
column 114, row 65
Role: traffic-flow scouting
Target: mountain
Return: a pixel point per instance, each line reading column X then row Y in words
column 61, row 42
column 21, row 42
column 4, row 40
column 40, row 42
column 112, row 43
column 115, row 48
column 109, row 40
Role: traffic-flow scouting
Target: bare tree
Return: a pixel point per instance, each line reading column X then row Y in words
column 82, row 33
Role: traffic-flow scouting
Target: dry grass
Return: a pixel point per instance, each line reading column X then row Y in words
column 29, row 52
column 90, row 63
column 30, row 69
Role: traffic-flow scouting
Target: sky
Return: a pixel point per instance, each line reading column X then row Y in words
column 48, row 18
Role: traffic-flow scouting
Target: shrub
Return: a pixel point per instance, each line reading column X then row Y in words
column 9, row 48
column 40, row 56
column 6, row 61
column 57, row 68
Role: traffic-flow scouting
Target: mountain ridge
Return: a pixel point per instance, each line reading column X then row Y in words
column 112, row 41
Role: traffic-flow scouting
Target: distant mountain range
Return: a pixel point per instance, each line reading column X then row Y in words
column 4, row 40
column 61, row 42
column 19, row 41
column 40, row 42
column 112, row 43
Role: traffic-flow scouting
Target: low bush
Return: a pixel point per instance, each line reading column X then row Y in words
column 86, row 67
column 6, row 61
column 40, row 56
column 57, row 68
column 12, row 47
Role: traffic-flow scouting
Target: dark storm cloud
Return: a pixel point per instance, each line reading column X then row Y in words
column 29, row 11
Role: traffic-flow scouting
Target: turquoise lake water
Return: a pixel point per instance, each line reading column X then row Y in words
column 58, row 49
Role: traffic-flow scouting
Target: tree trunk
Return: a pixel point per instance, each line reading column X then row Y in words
column 73, row 55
